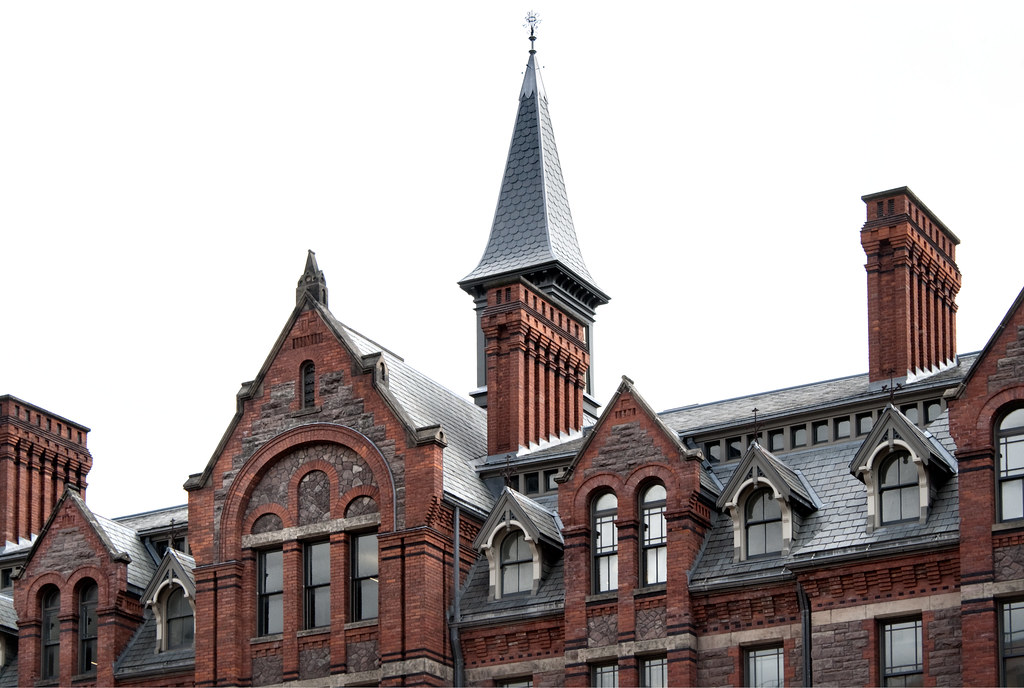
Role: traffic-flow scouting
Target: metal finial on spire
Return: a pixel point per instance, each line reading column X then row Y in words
column 532, row 21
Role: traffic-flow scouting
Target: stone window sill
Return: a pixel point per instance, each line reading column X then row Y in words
column 1004, row 526
column 597, row 598
column 266, row 638
column 369, row 623
column 650, row 590
column 313, row 631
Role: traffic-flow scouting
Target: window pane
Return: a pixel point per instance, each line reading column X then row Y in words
column 773, row 537
column 368, row 599
column 909, row 507
column 273, row 614
column 1012, row 499
column 608, row 573
column 765, row 667
column 655, row 493
column 756, row 540
column 320, row 607
column 1011, row 451
column 902, row 648
column 654, row 672
column 656, row 566
column 776, row 440
column 842, row 428
column 820, row 432
column 1013, row 671
column 606, row 676
column 1013, row 420
column 799, row 437
column 273, row 578
column 891, row 506
column 366, row 563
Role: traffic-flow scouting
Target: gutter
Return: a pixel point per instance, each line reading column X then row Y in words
column 805, row 630
column 456, row 614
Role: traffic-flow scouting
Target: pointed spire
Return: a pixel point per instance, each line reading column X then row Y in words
column 532, row 234
column 311, row 282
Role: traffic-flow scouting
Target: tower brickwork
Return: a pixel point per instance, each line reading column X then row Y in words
column 913, row 281
column 40, row 453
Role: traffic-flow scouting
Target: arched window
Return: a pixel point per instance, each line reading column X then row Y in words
column 1010, row 450
column 605, row 543
column 87, row 623
column 50, row 651
column 898, row 489
column 516, row 564
column 180, row 620
column 308, row 385
column 763, row 524
column 654, row 558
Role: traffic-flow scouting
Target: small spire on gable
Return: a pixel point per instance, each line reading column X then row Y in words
column 312, row 282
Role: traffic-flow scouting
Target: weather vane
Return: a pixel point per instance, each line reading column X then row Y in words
column 532, row 21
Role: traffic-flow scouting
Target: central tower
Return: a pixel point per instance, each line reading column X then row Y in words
column 533, row 245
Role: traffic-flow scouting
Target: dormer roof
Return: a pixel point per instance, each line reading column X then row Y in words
column 539, row 524
column 759, row 462
column 891, row 426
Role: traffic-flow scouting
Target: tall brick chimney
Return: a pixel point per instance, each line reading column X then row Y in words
column 913, row 281
column 537, row 364
column 40, row 453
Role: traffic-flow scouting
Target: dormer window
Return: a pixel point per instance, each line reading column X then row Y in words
column 763, row 524
column 898, row 489
column 180, row 620
column 516, row 564
column 901, row 466
column 1010, row 449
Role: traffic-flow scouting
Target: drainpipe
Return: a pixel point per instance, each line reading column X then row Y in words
column 456, row 615
column 805, row 627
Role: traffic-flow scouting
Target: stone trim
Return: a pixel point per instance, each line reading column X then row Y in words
column 753, row 636
column 979, row 591
column 499, row 672
column 312, row 530
column 420, row 665
column 865, row 612
column 681, row 641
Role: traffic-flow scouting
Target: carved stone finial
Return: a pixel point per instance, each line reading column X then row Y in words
column 312, row 282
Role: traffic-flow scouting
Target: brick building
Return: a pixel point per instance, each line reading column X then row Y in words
column 359, row 524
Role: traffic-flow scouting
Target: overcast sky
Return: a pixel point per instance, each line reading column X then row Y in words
column 165, row 166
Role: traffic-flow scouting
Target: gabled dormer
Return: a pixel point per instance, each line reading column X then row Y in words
column 766, row 500
column 171, row 596
column 901, row 466
column 514, row 538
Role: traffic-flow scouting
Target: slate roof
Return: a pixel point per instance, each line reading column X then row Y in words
column 9, row 675
column 810, row 397
column 532, row 225
column 155, row 520
column 124, row 539
column 428, row 403
column 837, row 528
column 8, row 617
column 141, row 657
column 550, row 596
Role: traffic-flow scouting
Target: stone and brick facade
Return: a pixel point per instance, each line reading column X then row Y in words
column 360, row 524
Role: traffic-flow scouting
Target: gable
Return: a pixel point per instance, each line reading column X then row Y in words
column 893, row 427
column 759, row 463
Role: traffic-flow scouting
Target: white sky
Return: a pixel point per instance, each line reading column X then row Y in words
column 165, row 166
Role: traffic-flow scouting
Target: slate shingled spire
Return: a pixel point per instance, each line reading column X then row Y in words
column 312, row 281
column 532, row 235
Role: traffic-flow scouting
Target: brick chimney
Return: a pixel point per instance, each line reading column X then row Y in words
column 537, row 361
column 40, row 453
column 913, row 281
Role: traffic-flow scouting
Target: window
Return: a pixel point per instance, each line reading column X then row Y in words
column 902, row 662
column 604, row 675
column 549, row 480
column 842, row 428
column 735, row 445
column 763, row 524
column 606, row 543
column 50, row 654
column 1010, row 449
column 799, row 436
column 180, row 620
column 1011, row 645
column 910, row 411
column 764, row 667
column 864, row 423
column 654, row 672
column 820, row 431
column 317, row 560
column 364, row 577
column 87, row 598
column 531, row 483
column 271, row 593
column 6, row 579
column 898, row 489
column 777, row 440
column 308, row 385
column 654, row 559
column 932, row 410
column 516, row 683
column 713, row 451
column 516, row 564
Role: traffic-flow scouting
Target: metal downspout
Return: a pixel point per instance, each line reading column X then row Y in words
column 456, row 616
column 805, row 628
